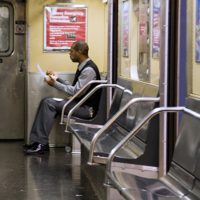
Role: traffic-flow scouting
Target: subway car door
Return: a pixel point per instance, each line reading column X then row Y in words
column 12, row 69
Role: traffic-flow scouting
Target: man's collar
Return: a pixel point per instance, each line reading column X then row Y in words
column 81, row 65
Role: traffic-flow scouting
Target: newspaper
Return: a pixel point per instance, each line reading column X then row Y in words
column 43, row 74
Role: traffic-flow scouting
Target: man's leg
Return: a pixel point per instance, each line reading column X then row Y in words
column 47, row 111
column 44, row 120
column 84, row 111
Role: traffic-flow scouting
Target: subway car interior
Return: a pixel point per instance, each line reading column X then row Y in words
column 142, row 141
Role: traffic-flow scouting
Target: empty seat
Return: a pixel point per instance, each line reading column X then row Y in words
column 100, row 140
column 182, row 180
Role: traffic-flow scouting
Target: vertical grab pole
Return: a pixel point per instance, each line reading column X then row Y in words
column 110, row 52
column 163, row 86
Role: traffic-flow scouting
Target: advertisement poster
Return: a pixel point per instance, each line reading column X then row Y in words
column 156, row 29
column 143, row 27
column 125, row 28
column 197, row 31
column 63, row 25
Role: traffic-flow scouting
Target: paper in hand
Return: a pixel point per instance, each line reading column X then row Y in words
column 41, row 71
column 43, row 74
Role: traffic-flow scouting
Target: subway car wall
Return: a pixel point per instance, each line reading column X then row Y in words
column 151, row 47
column 27, row 50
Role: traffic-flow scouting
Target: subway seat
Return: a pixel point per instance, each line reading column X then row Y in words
column 126, row 111
column 183, row 178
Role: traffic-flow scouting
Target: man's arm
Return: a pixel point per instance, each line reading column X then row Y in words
column 65, row 82
column 87, row 75
column 55, row 78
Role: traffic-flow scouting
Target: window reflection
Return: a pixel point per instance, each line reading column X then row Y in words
column 137, row 59
column 4, row 29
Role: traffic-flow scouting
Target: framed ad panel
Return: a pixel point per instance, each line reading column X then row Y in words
column 156, row 29
column 64, row 25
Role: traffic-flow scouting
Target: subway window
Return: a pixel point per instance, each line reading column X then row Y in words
column 193, row 48
column 195, row 81
column 6, row 29
column 139, row 40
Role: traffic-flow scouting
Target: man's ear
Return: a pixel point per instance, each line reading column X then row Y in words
column 79, row 51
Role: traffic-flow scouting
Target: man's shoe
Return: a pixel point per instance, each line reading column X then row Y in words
column 28, row 146
column 36, row 148
column 32, row 145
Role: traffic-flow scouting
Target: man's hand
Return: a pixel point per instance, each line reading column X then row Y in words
column 51, row 79
column 49, row 72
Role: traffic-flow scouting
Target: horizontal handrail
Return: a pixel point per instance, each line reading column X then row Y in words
column 135, row 130
column 89, row 95
column 77, row 94
column 109, row 123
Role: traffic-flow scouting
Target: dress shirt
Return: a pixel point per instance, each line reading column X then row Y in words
column 87, row 75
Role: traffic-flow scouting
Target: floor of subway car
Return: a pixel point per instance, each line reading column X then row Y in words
column 53, row 176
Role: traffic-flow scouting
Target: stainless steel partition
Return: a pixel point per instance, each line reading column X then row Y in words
column 37, row 90
column 12, row 69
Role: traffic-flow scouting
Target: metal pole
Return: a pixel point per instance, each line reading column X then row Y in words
column 163, row 85
column 110, row 51
column 110, row 40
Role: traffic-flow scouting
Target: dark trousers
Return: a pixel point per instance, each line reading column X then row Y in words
column 46, row 114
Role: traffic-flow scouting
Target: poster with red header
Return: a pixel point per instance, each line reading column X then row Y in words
column 64, row 25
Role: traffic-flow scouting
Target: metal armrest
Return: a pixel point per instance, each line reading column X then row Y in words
column 135, row 130
column 76, row 95
column 115, row 117
column 87, row 96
